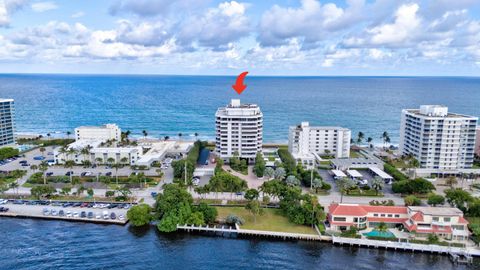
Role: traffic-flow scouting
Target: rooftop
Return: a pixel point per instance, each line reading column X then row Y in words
column 438, row 111
column 437, row 211
column 345, row 209
column 6, row 100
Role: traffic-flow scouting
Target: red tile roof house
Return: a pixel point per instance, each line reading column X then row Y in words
column 342, row 216
column 446, row 222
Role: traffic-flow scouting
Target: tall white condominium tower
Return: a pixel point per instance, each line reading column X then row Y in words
column 7, row 122
column 438, row 139
column 305, row 141
column 239, row 128
column 98, row 133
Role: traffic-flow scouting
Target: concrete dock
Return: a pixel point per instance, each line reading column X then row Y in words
column 36, row 211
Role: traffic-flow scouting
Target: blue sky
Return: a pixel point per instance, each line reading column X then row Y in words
column 289, row 37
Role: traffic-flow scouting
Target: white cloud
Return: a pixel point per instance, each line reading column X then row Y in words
column 7, row 7
column 78, row 14
column 43, row 6
column 311, row 21
column 217, row 26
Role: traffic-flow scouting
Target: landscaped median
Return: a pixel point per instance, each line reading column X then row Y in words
column 271, row 220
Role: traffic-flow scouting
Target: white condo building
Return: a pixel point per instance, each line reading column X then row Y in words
column 98, row 133
column 477, row 142
column 7, row 122
column 305, row 141
column 239, row 128
column 437, row 138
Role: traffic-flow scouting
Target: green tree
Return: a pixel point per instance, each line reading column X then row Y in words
column 451, row 181
column 90, row 192
column 259, row 168
column 14, row 186
column 458, row 198
column 269, row 173
column 345, row 185
column 43, row 167
column 411, row 200
column 275, row 188
column 233, row 219
column 66, row 190
column 292, row 181
column 140, row 215
column 279, row 173
column 317, row 184
column 254, row 208
column 251, row 194
column 435, row 199
column 42, row 191
column 8, row 152
column 360, row 137
column 68, row 165
column 377, row 184
column 209, row 212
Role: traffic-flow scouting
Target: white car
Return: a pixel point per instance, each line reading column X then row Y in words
column 3, row 201
column 69, row 214
column 54, row 212
column 106, row 215
column 98, row 216
column 121, row 217
column 75, row 214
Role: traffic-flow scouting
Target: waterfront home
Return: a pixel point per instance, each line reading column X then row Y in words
column 342, row 216
column 420, row 221
column 446, row 222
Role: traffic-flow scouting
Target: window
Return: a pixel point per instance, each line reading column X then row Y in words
column 339, row 219
column 397, row 216
column 446, row 219
column 435, row 218
column 375, row 215
column 390, row 215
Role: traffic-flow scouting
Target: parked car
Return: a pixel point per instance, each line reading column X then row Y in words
column 105, row 215
column 69, row 173
column 46, row 212
column 54, row 212
column 83, row 214
column 3, row 201
column 108, row 173
column 154, row 194
column 90, row 215
column 61, row 213
column 98, row 216
column 49, row 173
column 69, row 214
column 3, row 209
column 121, row 217
column 75, row 214
column 39, row 158
column 113, row 216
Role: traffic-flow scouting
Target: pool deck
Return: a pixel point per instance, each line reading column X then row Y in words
column 36, row 211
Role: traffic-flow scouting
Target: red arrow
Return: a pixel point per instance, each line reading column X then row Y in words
column 239, row 86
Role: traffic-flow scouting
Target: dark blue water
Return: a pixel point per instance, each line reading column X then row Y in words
column 167, row 105
column 41, row 244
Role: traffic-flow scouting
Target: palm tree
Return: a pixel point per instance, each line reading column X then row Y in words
column 369, row 141
column 70, row 152
column 42, row 150
column 360, row 137
column 345, row 185
column 14, row 186
column 377, row 184
column 269, row 173
column 99, row 160
column 279, row 173
column 166, row 138
column 86, row 152
column 292, row 181
column 384, row 137
column 144, row 132
column 317, row 184
column 196, row 136
column 43, row 168
column 68, row 134
column 451, row 181
column 48, row 135
column 68, row 165
column 33, row 167
column 180, row 136
column 124, row 160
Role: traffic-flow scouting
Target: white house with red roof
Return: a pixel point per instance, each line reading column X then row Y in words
column 446, row 222
column 342, row 216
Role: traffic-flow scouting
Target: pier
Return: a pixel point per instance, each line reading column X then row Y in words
column 237, row 230
column 405, row 246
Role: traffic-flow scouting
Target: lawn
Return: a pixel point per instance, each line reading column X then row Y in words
column 368, row 193
column 271, row 220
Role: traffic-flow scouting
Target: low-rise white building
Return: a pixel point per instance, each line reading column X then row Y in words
column 306, row 142
column 98, row 133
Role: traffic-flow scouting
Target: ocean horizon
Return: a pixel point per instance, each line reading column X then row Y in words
column 165, row 105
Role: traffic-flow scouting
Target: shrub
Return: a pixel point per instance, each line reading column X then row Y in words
column 411, row 200
column 233, row 219
column 388, row 168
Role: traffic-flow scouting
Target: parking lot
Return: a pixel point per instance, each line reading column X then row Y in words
column 328, row 177
column 78, row 211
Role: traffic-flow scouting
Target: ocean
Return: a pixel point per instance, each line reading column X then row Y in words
column 168, row 105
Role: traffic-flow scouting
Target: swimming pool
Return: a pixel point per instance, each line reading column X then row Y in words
column 376, row 233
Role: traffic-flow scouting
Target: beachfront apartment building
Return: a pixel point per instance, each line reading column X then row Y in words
column 437, row 138
column 445, row 222
column 7, row 122
column 99, row 133
column 239, row 130
column 477, row 141
column 305, row 142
